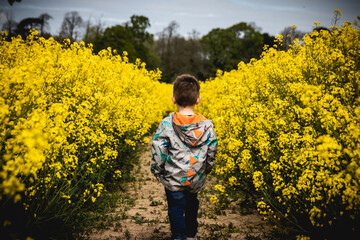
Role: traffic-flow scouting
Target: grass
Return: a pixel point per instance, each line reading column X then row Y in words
column 155, row 203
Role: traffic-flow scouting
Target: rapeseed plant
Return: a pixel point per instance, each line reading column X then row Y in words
column 71, row 121
column 288, row 127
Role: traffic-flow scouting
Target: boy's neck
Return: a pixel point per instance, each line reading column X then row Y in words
column 188, row 110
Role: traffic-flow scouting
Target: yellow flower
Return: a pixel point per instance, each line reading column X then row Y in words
column 214, row 200
column 233, row 181
column 146, row 140
column 220, row 188
column 337, row 12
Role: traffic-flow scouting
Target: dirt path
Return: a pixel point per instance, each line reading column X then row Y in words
column 142, row 214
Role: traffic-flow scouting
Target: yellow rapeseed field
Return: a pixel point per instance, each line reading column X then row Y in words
column 70, row 121
column 288, row 126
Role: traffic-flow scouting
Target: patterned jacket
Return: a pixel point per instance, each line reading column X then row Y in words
column 183, row 151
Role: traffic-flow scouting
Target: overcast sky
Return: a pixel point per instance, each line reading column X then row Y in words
column 200, row 15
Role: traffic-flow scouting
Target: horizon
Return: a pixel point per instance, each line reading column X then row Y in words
column 195, row 16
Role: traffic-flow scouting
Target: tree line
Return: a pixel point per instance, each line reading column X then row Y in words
column 173, row 54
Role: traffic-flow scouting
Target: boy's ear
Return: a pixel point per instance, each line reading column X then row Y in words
column 173, row 99
column 198, row 100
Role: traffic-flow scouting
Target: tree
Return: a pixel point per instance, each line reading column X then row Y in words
column 225, row 48
column 71, row 26
column 116, row 37
column 40, row 23
column 164, row 47
column 44, row 18
column 11, row 2
column 93, row 31
column 132, row 37
column 198, row 64
column 249, row 41
column 141, row 39
column 10, row 25
column 138, row 26
column 289, row 34
column 268, row 40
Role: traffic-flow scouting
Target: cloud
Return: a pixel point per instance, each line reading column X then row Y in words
column 194, row 15
column 3, row 17
column 55, row 9
column 114, row 20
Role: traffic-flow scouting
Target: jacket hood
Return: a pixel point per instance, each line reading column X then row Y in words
column 191, row 129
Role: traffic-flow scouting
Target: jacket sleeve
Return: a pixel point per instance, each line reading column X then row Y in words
column 210, row 158
column 159, row 149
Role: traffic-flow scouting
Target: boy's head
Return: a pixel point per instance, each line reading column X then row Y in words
column 186, row 90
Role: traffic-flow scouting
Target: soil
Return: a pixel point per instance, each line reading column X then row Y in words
column 142, row 214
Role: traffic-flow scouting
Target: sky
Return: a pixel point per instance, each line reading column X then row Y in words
column 201, row 15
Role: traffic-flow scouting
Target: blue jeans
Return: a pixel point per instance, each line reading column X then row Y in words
column 179, row 204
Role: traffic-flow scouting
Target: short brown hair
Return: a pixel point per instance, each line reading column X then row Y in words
column 186, row 90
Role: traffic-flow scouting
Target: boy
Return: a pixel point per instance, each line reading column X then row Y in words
column 184, row 149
